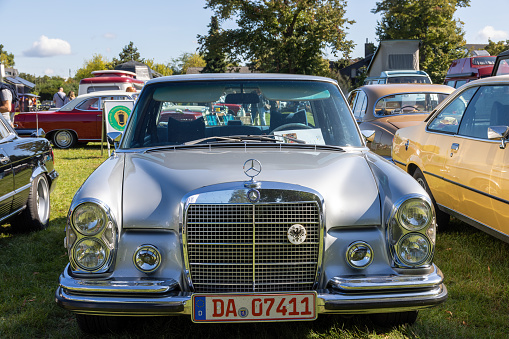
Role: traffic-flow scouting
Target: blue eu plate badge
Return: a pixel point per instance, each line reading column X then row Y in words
column 199, row 308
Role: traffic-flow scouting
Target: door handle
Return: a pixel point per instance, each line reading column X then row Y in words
column 454, row 148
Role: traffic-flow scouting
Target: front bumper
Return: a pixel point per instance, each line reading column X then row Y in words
column 156, row 297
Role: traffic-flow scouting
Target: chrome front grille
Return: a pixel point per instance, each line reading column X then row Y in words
column 245, row 248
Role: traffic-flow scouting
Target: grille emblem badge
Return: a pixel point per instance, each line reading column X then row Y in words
column 253, row 195
column 297, row 234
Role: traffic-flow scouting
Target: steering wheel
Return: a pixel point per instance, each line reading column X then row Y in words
column 399, row 110
column 290, row 126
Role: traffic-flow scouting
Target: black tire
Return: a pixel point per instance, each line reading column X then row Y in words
column 442, row 217
column 394, row 319
column 35, row 216
column 96, row 324
column 64, row 139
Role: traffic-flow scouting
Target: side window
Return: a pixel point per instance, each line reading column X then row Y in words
column 450, row 83
column 360, row 105
column 449, row 118
column 460, row 83
column 489, row 107
column 89, row 105
column 4, row 132
column 351, row 98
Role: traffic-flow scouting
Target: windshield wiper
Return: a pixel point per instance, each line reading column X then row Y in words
column 242, row 138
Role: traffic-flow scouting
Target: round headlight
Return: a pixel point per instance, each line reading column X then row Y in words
column 415, row 214
column 89, row 218
column 147, row 258
column 414, row 249
column 359, row 255
column 90, row 254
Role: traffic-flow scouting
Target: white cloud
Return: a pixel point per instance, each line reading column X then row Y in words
column 109, row 36
column 49, row 71
column 489, row 32
column 46, row 47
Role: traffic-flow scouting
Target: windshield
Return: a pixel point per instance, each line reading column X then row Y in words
column 191, row 112
column 408, row 103
column 408, row 79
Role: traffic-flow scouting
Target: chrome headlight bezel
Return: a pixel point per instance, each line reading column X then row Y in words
column 398, row 230
column 106, row 236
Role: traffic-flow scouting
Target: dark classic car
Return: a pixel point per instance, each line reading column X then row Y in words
column 27, row 177
column 80, row 120
column 277, row 219
column 383, row 109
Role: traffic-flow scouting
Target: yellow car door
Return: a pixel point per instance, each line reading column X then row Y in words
column 477, row 165
column 441, row 162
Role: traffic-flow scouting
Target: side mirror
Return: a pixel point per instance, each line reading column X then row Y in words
column 498, row 133
column 114, row 138
column 369, row 135
column 38, row 133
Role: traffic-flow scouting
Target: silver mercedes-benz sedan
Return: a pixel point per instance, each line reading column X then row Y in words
column 266, row 207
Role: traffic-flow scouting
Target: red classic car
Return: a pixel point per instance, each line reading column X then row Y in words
column 78, row 121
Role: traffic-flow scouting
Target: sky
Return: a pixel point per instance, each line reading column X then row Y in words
column 56, row 37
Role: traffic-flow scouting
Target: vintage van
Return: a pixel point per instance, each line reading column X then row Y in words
column 464, row 70
column 107, row 80
column 400, row 77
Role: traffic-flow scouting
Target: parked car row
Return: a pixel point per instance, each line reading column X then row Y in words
column 284, row 219
column 457, row 153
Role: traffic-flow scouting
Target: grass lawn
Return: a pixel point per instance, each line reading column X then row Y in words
column 477, row 276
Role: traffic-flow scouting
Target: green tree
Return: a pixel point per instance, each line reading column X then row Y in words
column 6, row 58
column 128, row 53
column 284, row 36
column 186, row 60
column 97, row 63
column 431, row 22
column 213, row 49
column 495, row 48
column 159, row 68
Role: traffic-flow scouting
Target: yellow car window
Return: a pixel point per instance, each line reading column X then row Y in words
column 449, row 118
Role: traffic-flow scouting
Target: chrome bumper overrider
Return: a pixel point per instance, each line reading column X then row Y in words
column 150, row 297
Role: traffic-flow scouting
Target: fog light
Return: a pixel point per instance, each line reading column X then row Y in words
column 147, row 258
column 414, row 249
column 359, row 254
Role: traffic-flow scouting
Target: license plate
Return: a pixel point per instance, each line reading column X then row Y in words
column 253, row 307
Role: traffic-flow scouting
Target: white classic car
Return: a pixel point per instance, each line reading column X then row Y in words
column 279, row 216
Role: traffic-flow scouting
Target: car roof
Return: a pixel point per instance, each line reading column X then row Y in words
column 403, row 72
column 239, row 76
column 380, row 90
column 104, row 93
column 489, row 80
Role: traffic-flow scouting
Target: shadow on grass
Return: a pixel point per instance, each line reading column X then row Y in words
column 329, row 326
column 8, row 231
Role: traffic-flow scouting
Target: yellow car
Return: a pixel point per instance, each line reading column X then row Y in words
column 458, row 154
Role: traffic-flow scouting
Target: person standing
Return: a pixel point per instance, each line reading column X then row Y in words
column 59, row 98
column 6, row 104
column 69, row 97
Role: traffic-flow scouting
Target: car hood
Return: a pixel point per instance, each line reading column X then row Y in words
column 401, row 121
column 157, row 184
